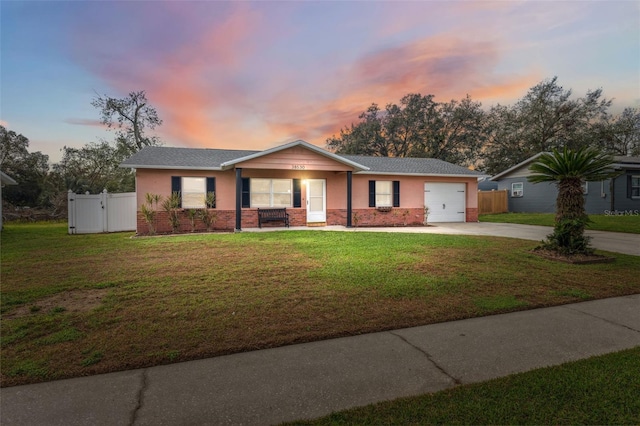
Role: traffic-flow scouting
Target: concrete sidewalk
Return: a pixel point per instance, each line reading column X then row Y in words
column 313, row 379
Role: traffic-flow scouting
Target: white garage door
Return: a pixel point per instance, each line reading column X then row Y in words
column 446, row 201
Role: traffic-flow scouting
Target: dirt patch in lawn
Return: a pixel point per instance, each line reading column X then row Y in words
column 67, row 301
column 576, row 259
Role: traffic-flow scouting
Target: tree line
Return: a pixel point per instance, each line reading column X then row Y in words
column 492, row 140
column 93, row 167
column 459, row 131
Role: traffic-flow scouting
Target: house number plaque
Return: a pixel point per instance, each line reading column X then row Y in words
column 298, row 166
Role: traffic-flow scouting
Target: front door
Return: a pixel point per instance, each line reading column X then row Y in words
column 316, row 200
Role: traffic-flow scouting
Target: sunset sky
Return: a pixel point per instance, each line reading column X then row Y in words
column 252, row 75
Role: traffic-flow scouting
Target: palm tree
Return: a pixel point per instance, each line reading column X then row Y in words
column 569, row 169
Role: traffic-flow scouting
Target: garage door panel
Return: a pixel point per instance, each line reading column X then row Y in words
column 446, row 201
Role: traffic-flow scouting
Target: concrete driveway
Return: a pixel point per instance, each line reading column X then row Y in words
column 616, row 242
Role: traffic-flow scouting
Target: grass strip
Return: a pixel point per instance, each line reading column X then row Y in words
column 598, row 390
column 628, row 223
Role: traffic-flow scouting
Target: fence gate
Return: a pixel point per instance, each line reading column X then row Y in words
column 104, row 212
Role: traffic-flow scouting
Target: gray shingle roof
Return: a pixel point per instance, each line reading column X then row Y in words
column 625, row 159
column 212, row 159
column 418, row 166
column 162, row 157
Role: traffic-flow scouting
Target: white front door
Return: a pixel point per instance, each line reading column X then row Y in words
column 446, row 201
column 316, row 200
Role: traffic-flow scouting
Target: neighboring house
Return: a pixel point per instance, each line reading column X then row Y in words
column 4, row 180
column 487, row 185
column 619, row 195
column 316, row 186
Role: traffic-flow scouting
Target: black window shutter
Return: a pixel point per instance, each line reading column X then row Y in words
column 211, row 187
column 629, row 186
column 297, row 193
column 372, row 193
column 176, row 186
column 246, row 192
column 396, row 193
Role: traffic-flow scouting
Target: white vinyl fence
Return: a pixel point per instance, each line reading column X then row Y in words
column 104, row 212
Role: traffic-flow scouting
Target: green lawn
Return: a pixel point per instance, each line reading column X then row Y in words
column 87, row 304
column 600, row 390
column 628, row 223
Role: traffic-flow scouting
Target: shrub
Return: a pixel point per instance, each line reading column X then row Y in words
column 171, row 206
column 149, row 209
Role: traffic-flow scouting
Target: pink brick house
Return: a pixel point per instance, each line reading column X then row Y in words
column 316, row 187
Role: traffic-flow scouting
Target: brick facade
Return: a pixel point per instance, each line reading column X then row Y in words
column 397, row 216
column 226, row 219
column 471, row 215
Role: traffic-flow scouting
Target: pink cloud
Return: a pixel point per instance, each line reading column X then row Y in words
column 210, row 90
column 197, row 85
column 444, row 66
column 192, row 82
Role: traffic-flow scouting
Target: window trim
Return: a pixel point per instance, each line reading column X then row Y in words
column 632, row 186
column 514, row 193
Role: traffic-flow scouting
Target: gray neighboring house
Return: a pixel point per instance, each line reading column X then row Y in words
column 485, row 184
column 4, row 180
column 620, row 195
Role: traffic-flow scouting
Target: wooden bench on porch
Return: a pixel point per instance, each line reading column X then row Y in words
column 273, row 215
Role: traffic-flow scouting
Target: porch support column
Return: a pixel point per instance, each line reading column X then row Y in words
column 349, row 207
column 238, row 199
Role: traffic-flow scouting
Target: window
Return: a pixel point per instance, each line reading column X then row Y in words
column 635, row 186
column 517, row 189
column 194, row 190
column 271, row 192
column 384, row 193
column 247, row 190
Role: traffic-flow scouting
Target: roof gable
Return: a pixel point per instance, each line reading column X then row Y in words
column 522, row 169
column 298, row 143
column 5, row 179
column 297, row 157
column 523, row 165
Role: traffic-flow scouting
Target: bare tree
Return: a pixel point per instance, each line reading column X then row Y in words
column 131, row 116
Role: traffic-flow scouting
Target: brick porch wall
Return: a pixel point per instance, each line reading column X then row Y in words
column 226, row 219
column 397, row 216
